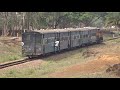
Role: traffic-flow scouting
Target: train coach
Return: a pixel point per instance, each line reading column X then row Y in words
column 42, row 42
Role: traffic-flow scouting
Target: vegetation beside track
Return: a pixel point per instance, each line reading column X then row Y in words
column 10, row 49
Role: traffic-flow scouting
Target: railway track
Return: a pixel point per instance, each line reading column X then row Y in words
column 28, row 60
column 14, row 63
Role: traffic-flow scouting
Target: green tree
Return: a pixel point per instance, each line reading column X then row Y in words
column 113, row 18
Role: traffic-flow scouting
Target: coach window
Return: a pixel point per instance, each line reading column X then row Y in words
column 86, row 35
column 61, row 38
column 50, row 40
column 28, row 37
column 64, row 38
column 45, row 41
column 92, row 34
column 83, row 36
column 38, row 39
column 74, row 37
column 80, row 36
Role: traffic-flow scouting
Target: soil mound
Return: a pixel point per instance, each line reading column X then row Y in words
column 115, row 69
column 93, row 66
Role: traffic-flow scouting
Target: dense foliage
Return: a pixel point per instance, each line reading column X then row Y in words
column 42, row 20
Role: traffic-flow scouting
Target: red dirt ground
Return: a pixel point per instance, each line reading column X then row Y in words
column 100, row 64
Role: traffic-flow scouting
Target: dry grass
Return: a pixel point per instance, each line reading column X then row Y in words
column 9, row 50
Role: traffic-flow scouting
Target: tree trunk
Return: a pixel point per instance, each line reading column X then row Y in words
column 5, row 29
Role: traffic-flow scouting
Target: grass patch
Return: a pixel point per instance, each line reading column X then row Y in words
column 10, row 74
column 9, row 52
column 9, row 57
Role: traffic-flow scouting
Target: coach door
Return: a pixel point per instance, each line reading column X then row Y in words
column 29, row 43
column 49, row 39
column 64, row 40
column 38, row 44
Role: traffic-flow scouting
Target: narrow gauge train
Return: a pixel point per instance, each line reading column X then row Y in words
column 42, row 42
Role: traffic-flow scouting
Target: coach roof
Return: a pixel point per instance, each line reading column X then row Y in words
column 64, row 30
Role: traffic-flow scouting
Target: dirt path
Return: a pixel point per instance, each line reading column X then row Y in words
column 99, row 64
